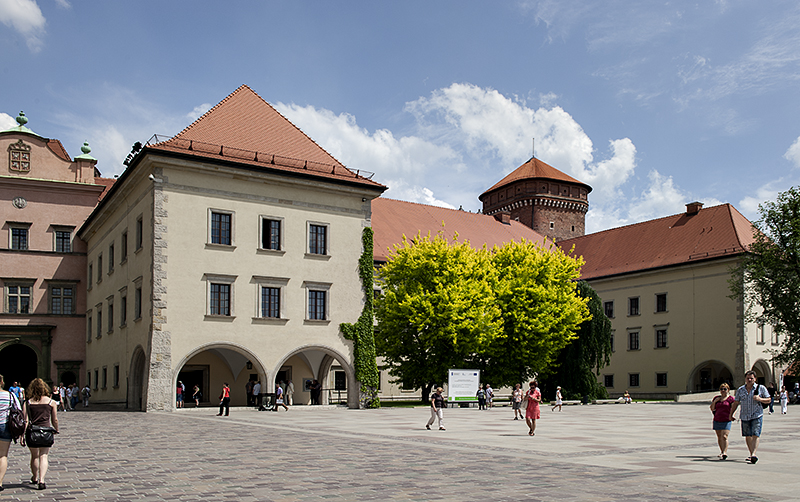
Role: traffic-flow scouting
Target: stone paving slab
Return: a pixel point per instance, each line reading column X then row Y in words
column 642, row 452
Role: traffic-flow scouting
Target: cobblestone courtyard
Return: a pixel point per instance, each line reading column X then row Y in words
column 587, row 453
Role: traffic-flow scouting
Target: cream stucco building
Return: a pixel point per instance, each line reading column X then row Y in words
column 226, row 253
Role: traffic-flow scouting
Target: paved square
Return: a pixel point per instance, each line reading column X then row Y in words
column 587, row 453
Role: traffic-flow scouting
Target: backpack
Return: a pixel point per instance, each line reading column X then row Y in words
column 756, row 392
column 16, row 420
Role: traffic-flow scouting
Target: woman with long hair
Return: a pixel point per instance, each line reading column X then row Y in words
column 7, row 400
column 40, row 409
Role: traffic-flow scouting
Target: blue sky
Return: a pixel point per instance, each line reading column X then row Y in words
column 652, row 104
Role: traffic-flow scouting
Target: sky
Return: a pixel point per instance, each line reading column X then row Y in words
column 652, row 104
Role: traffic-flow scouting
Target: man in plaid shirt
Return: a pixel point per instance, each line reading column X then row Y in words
column 750, row 396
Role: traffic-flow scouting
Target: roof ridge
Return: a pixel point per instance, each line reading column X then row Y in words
column 226, row 98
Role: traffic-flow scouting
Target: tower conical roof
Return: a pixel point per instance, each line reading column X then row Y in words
column 535, row 169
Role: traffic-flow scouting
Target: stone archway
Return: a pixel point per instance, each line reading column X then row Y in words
column 137, row 378
column 211, row 365
column 708, row 376
column 763, row 372
column 19, row 362
column 314, row 362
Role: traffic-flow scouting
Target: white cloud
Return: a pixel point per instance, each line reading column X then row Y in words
column 198, row 111
column 793, row 153
column 6, row 121
column 64, row 4
column 26, row 18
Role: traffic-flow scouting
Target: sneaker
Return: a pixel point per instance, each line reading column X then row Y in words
column 753, row 459
column 442, row 429
column 428, row 427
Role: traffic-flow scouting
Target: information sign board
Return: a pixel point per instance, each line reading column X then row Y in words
column 462, row 385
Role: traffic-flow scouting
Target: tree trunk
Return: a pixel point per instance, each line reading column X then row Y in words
column 426, row 393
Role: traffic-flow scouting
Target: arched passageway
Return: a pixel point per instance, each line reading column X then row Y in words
column 210, row 366
column 18, row 363
column 708, row 376
column 763, row 372
column 136, row 380
column 320, row 375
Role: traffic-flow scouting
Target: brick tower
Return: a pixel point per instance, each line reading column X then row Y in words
column 541, row 197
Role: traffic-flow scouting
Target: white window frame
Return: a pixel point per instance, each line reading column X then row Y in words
column 19, row 283
column 61, row 285
column 19, row 225
column 67, row 229
column 638, row 332
column 281, row 240
column 220, row 279
column 328, row 241
column 270, row 282
column 656, row 329
column 232, row 214
column 309, row 286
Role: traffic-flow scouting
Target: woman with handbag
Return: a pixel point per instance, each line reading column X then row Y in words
column 7, row 401
column 40, row 411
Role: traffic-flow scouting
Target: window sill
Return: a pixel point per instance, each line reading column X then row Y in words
column 223, row 318
column 660, row 348
column 761, row 343
column 318, row 322
column 110, row 272
column 634, row 315
column 320, row 257
column 137, row 250
column 110, row 332
column 634, row 350
column 121, row 326
column 270, row 320
column 271, row 252
column 138, row 319
column 123, row 261
column 220, row 247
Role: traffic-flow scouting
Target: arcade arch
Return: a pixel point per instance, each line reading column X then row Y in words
column 211, row 365
column 305, row 364
column 763, row 372
column 136, row 380
column 708, row 376
column 20, row 362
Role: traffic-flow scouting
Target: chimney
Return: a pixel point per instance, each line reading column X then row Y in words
column 693, row 208
column 503, row 217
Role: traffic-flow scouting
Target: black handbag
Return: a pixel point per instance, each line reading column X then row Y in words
column 40, row 437
column 16, row 421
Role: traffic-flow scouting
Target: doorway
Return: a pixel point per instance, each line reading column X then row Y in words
column 19, row 364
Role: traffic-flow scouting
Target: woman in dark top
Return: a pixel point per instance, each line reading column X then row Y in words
column 721, row 408
column 40, row 410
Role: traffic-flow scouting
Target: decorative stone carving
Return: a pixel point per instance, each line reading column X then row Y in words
column 19, row 202
column 19, row 157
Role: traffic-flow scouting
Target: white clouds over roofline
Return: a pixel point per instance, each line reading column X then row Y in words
column 26, row 18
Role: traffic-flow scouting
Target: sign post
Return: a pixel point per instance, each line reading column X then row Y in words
column 462, row 386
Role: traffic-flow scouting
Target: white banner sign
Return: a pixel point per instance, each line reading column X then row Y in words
column 462, row 385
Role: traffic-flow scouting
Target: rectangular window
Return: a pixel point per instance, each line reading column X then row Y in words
column 139, row 232
column 110, row 258
column 270, row 234
column 63, row 241
column 19, row 238
column 633, row 379
column 105, row 377
column 608, row 381
column 89, row 328
column 110, row 311
column 633, row 340
column 661, row 338
column 608, row 307
column 18, row 299
column 221, row 228
column 96, row 378
column 90, row 274
column 316, row 304
column 270, row 302
column 99, row 268
column 123, row 251
column 760, row 334
column 661, row 379
column 116, row 376
column 633, row 306
column 317, row 239
column 137, row 303
column 99, row 320
column 661, row 302
column 613, row 347
column 123, row 307
column 774, row 337
column 62, row 300
column 220, row 299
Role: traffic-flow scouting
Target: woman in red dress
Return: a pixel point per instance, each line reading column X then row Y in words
column 534, row 397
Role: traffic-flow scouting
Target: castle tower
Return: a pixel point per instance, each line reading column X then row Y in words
column 541, row 197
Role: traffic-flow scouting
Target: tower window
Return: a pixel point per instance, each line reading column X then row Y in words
column 552, row 225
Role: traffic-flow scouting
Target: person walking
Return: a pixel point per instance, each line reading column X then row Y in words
column 772, row 391
column 289, row 392
column 40, row 410
column 516, row 402
column 481, row 395
column 7, row 401
column 558, row 400
column 225, row 400
column 437, row 409
column 87, row 393
column 750, row 397
column 196, row 395
column 489, row 396
column 316, row 390
column 532, row 412
column 75, row 395
column 17, row 391
column 179, row 393
column 279, row 398
column 784, row 400
column 721, row 408
column 248, row 392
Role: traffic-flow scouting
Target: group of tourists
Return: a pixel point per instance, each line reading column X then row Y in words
column 67, row 397
column 30, row 415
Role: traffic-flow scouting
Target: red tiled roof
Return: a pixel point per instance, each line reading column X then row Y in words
column 713, row 232
column 57, row 148
column 244, row 128
column 393, row 219
column 535, row 168
column 107, row 183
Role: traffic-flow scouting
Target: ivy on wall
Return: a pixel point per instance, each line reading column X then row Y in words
column 361, row 333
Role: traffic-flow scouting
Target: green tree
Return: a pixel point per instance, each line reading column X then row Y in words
column 436, row 309
column 540, row 310
column 767, row 278
column 579, row 364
